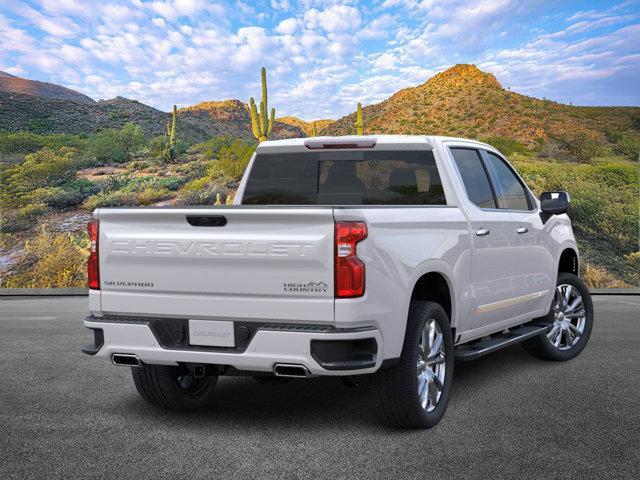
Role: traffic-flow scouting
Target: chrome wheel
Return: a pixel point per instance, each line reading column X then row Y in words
column 569, row 317
column 430, row 365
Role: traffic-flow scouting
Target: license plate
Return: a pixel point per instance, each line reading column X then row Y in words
column 211, row 333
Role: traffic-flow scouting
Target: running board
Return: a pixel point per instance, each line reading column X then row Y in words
column 465, row 353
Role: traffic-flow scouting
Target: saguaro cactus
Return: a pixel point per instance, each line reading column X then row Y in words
column 359, row 125
column 314, row 130
column 171, row 135
column 260, row 124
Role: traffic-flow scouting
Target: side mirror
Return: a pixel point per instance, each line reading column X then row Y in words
column 554, row 203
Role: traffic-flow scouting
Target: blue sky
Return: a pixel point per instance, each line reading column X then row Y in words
column 322, row 56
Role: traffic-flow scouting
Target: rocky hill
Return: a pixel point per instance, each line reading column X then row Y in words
column 464, row 101
column 231, row 117
column 16, row 85
column 306, row 126
column 22, row 111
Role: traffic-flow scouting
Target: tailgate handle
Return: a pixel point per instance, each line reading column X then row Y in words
column 207, row 221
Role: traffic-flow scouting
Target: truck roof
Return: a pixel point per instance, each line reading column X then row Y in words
column 291, row 144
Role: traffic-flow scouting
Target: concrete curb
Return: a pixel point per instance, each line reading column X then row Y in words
column 615, row 291
column 45, row 292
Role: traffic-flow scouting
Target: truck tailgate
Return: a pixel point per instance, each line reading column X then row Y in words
column 263, row 264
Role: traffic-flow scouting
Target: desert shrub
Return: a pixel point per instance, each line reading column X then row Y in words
column 233, row 161
column 157, row 145
column 40, row 125
column 68, row 195
column 580, row 146
column 19, row 219
column 596, row 277
column 28, row 142
column 171, row 183
column 192, row 170
column 116, row 145
column 137, row 165
column 52, row 261
column 207, row 195
column 629, row 146
column 111, row 199
column 604, row 207
column 118, row 198
column 228, row 147
column 116, row 182
column 507, row 146
column 43, row 169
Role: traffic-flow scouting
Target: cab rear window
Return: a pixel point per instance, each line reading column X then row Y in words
column 345, row 178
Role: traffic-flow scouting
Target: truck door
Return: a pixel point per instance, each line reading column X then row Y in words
column 510, row 268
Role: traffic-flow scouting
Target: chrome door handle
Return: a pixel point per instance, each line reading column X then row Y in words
column 522, row 230
column 481, row 232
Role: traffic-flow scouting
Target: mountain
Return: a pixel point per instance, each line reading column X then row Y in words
column 19, row 111
column 16, row 85
column 464, row 101
column 231, row 117
column 39, row 110
column 306, row 126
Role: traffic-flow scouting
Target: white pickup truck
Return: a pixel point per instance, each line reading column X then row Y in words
column 387, row 256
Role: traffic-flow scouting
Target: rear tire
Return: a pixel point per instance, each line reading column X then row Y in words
column 414, row 392
column 569, row 321
column 172, row 387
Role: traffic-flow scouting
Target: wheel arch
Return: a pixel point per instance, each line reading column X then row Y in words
column 435, row 286
column 569, row 261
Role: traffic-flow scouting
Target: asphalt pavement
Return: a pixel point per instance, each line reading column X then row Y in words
column 66, row 415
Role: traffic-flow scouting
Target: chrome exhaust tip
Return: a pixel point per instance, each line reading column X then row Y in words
column 290, row 370
column 126, row 360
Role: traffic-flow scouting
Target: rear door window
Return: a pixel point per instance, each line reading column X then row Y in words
column 474, row 176
column 345, row 178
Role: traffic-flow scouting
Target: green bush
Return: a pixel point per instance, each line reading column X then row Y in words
column 629, row 146
column 68, row 195
column 205, row 195
column 147, row 196
column 157, row 145
column 28, row 142
column 116, row 145
column 53, row 260
column 40, row 125
column 225, row 145
column 581, row 146
column 507, row 146
column 24, row 218
column 44, row 169
column 604, row 207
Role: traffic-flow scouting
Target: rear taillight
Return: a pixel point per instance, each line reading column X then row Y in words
column 349, row 268
column 93, row 268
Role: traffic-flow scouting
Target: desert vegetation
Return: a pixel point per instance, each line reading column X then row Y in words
column 50, row 181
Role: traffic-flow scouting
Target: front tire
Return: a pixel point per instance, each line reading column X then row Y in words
column 414, row 392
column 569, row 321
column 173, row 387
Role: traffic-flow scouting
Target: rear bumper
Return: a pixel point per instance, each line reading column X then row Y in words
column 268, row 345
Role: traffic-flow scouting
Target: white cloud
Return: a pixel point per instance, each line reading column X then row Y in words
column 15, row 70
column 287, row 26
column 386, row 61
column 338, row 18
column 378, row 27
column 56, row 26
column 159, row 22
column 280, row 5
